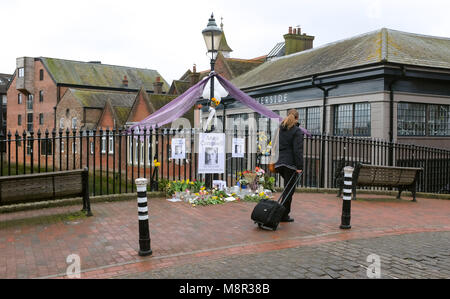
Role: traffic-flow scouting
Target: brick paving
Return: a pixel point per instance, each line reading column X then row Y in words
column 107, row 243
column 419, row 255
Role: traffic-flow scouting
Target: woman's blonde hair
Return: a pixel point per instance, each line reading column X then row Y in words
column 291, row 119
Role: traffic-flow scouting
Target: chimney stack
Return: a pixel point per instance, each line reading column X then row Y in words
column 125, row 81
column 194, row 77
column 157, row 86
column 295, row 41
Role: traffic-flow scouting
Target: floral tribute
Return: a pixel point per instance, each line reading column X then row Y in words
column 195, row 192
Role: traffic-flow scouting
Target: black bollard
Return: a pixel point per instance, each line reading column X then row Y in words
column 347, row 198
column 144, row 232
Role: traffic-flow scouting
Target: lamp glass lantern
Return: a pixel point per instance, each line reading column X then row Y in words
column 212, row 35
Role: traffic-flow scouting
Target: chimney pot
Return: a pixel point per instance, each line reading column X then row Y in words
column 294, row 31
column 125, row 80
column 290, row 30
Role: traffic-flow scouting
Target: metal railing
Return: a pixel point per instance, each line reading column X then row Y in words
column 116, row 157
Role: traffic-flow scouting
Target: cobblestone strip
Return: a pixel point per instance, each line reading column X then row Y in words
column 419, row 255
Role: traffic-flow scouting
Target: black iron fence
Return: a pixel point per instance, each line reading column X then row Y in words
column 115, row 158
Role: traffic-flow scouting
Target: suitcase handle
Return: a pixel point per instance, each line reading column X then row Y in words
column 283, row 195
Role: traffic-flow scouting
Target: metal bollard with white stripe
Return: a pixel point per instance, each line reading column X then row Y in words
column 347, row 198
column 144, row 233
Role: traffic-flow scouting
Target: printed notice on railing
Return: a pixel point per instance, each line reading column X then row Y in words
column 211, row 153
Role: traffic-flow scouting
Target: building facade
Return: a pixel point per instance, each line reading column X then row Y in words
column 5, row 80
column 385, row 84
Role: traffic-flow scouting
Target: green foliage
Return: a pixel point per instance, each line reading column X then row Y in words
column 269, row 183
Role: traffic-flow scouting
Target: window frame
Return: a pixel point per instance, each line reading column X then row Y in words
column 351, row 119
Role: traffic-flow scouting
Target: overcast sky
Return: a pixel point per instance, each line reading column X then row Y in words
column 166, row 35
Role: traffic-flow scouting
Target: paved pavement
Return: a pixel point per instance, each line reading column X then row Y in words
column 419, row 255
column 36, row 244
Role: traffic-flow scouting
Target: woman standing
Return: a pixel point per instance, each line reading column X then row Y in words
column 290, row 156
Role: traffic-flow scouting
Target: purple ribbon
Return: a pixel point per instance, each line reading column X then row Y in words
column 179, row 106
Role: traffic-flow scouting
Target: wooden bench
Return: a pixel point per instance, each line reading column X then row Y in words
column 365, row 175
column 46, row 186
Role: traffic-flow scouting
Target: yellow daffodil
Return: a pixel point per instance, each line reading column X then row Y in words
column 261, row 194
column 203, row 188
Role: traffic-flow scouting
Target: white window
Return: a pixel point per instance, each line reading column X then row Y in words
column 91, row 143
column 74, row 123
column 21, row 72
column 111, row 145
column 103, row 144
column 61, row 123
column 62, row 146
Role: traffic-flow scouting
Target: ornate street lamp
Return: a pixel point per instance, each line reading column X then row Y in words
column 212, row 35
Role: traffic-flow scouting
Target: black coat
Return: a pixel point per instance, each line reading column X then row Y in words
column 290, row 147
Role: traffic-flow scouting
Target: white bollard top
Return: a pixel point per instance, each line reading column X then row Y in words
column 348, row 170
column 141, row 182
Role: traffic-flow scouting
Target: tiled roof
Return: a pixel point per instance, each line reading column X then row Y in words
column 223, row 46
column 97, row 99
column 178, row 87
column 384, row 45
column 100, row 75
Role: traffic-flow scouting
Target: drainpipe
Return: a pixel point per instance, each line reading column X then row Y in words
column 324, row 101
column 391, row 114
column 324, row 113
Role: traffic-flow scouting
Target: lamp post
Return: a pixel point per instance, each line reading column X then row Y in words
column 212, row 35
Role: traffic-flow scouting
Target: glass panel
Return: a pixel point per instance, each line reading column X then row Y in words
column 411, row 119
column 343, row 120
column 362, row 119
column 313, row 120
column 439, row 120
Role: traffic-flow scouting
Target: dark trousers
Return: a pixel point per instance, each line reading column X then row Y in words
column 287, row 174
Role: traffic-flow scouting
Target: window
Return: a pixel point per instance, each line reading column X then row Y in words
column 103, row 147
column 309, row 118
column 62, row 146
column 30, row 122
column 74, row 123
column 30, row 102
column 238, row 122
column 41, row 74
column 74, row 146
column 361, row 119
column 41, row 118
column 439, row 120
column 21, row 72
column 411, row 119
column 415, row 119
column 111, row 145
column 46, row 147
column 41, row 96
column 91, row 145
column 352, row 119
column 61, row 123
column 29, row 149
column 19, row 98
column 19, row 120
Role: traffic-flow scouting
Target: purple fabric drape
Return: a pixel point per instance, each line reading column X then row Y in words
column 175, row 108
column 179, row 106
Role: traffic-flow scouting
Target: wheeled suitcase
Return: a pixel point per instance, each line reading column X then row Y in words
column 267, row 213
